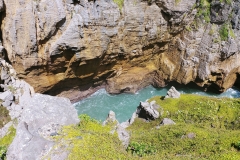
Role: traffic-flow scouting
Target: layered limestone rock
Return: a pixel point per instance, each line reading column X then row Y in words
column 68, row 46
column 37, row 117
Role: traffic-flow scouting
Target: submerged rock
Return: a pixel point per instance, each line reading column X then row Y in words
column 172, row 93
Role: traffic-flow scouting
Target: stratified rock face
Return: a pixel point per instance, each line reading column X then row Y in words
column 39, row 117
column 61, row 45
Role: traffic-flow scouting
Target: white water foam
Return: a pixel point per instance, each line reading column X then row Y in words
column 100, row 103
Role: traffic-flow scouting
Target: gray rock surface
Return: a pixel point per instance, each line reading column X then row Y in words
column 51, row 15
column 4, row 130
column 111, row 119
column 220, row 11
column 147, row 111
column 39, row 116
column 172, row 93
column 189, row 136
column 53, row 44
column 123, row 135
column 167, row 121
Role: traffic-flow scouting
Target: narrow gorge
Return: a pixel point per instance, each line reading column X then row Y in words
column 54, row 53
column 66, row 47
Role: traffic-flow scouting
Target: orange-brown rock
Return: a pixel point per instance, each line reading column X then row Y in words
column 67, row 47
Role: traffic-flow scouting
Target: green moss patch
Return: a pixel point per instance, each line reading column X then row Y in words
column 91, row 140
column 119, row 3
column 214, row 122
column 4, row 116
column 6, row 141
column 203, row 10
column 206, row 128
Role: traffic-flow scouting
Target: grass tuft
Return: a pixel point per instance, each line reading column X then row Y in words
column 119, row 3
column 6, row 141
column 214, row 122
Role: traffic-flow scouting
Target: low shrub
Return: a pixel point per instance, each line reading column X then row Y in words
column 237, row 145
column 141, row 149
column 90, row 140
column 119, row 3
column 6, row 141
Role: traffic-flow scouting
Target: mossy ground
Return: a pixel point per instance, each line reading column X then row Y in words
column 4, row 116
column 6, row 141
column 91, row 140
column 119, row 3
column 213, row 121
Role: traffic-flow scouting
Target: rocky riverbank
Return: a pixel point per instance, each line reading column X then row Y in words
column 187, row 127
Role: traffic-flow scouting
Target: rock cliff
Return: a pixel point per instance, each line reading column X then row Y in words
column 35, row 116
column 65, row 47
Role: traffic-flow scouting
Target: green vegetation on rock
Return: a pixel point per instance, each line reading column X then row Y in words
column 6, row 141
column 141, row 149
column 206, row 128
column 119, row 3
column 210, row 120
column 204, row 10
column 4, row 116
column 225, row 31
column 90, row 140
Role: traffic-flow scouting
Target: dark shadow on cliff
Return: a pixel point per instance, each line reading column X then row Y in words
column 237, row 83
column 3, row 54
column 47, row 38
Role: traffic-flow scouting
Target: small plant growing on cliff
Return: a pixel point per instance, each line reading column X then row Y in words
column 226, row 31
column 6, row 141
column 141, row 149
column 177, row 2
column 119, row 3
column 3, row 150
column 236, row 145
column 204, row 10
column 228, row 1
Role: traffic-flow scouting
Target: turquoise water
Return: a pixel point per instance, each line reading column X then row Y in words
column 100, row 103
